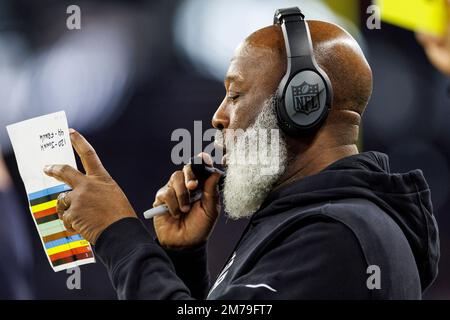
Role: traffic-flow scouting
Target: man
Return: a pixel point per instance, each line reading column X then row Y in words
column 330, row 224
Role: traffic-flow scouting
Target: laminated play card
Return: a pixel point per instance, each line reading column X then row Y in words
column 39, row 142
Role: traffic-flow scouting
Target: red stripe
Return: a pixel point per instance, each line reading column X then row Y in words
column 68, row 253
column 72, row 259
column 44, row 213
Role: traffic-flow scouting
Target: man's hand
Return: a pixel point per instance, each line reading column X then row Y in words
column 96, row 200
column 187, row 225
column 438, row 48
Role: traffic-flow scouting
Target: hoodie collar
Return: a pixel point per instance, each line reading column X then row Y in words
column 369, row 161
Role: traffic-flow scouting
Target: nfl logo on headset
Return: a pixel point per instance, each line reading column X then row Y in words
column 306, row 97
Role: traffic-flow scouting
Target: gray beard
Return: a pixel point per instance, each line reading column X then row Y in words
column 247, row 184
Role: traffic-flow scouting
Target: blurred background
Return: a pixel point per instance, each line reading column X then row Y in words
column 137, row 70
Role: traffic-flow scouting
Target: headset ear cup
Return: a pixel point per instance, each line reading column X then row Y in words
column 305, row 92
column 305, row 101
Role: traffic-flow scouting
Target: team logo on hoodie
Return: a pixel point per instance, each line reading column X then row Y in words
column 306, row 97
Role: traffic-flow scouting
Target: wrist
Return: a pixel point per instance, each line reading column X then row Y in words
column 108, row 223
column 120, row 238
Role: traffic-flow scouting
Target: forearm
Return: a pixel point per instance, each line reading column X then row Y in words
column 138, row 267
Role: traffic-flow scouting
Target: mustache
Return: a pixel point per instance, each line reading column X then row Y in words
column 266, row 119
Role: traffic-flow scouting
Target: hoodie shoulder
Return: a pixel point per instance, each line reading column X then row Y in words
column 382, row 241
column 390, row 213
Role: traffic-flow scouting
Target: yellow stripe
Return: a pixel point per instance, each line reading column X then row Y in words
column 67, row 246
column 43, row 206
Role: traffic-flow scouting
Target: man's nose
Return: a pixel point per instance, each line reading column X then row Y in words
column 221, row 120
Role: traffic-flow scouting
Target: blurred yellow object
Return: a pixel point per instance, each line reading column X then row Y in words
column 427, row 16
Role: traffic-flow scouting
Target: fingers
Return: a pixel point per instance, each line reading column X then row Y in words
column 176, row 193
column 191, row 180
column 168, row 196
column 91, row 162
column 178, row 184
column 423, row 38
column 65, row 173
column 428, row 40
column 206, row 157
column 67, row 220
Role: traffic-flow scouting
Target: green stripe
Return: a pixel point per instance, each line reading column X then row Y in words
column 51, row 227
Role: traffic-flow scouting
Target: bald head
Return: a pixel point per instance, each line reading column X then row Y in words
column 336, row 52
column 260, row 63
column 253, row 77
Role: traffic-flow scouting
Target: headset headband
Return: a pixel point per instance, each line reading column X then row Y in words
column 293, row 25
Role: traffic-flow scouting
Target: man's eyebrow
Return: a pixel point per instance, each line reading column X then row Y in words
column 233, row 78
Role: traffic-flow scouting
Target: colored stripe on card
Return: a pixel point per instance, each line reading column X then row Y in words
column 64, row 248
column 58, row 235
column 43, row 206
column 48, row 218
column 68, row 246
column 44, row 213
column 61, row 241
column 73, row 258
column 51, row 227
column 47, row 198
column 70, row 252
column 49, row 191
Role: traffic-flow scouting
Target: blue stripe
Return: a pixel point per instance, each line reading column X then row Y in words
column 49, row 191
column 61, row 241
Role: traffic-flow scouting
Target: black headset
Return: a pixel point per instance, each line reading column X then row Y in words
column 304, row 95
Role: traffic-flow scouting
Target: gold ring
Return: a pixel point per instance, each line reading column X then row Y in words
column 62, row 200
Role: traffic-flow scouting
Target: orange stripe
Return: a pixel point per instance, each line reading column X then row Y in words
column 69, row 253
column 44, row 213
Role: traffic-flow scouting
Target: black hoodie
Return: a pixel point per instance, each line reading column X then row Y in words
column 352, row 231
